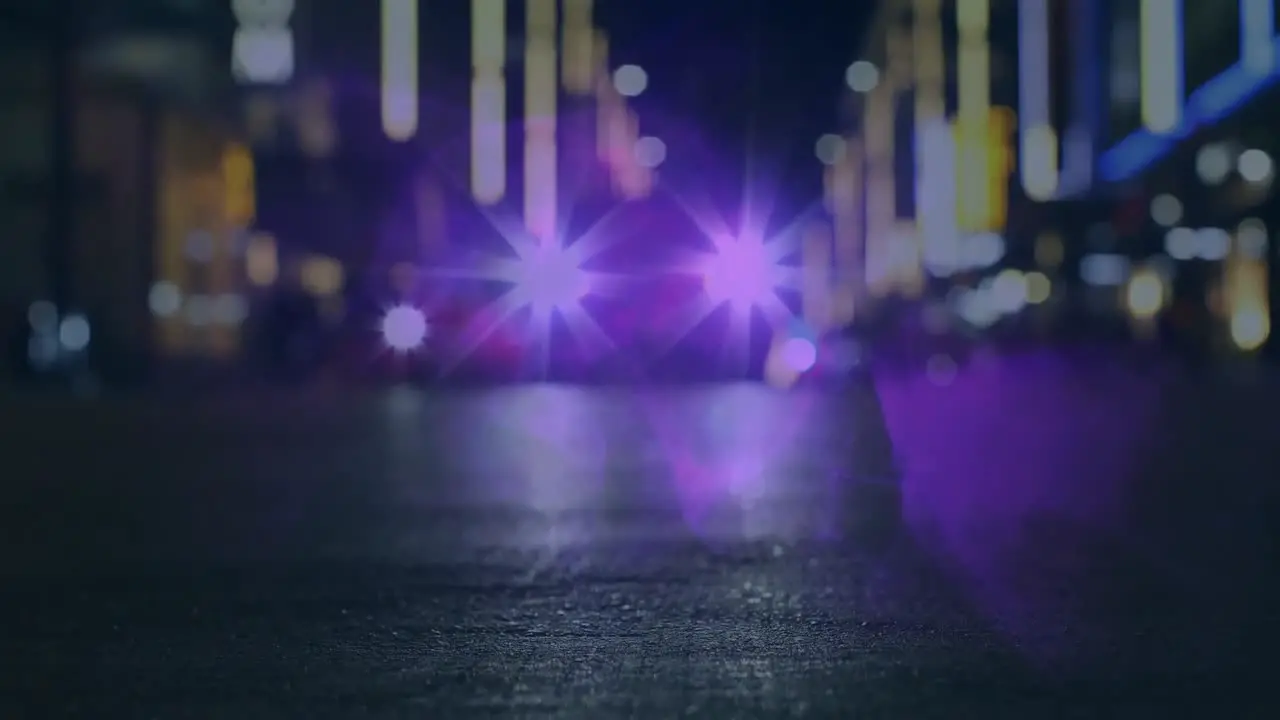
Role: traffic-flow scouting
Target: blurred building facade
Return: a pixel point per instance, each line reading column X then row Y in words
column 404, row 127
column 920, row 183
column 154, row 166
column 1186, row 146
column 1117, row 153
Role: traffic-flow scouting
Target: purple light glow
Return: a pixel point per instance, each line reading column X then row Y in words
column 741, row 273
column 550, row 278
column 404, row 328
column 799, row 354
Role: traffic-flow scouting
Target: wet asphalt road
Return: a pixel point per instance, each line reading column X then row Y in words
column 1081, row 541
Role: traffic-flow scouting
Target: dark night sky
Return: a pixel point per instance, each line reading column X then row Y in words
column 720, row 73
column 771, row 67
column 712, row 63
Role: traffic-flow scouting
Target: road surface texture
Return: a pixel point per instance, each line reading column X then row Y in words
column 1084, row 540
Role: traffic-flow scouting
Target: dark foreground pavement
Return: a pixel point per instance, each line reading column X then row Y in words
column 1083, row 541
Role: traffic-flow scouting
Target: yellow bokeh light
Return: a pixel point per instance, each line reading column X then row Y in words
column 238, row 183
column 1244, row 298
column 262, row 264
column 1039, row 288
column 1250, row 327
column 1145, row 294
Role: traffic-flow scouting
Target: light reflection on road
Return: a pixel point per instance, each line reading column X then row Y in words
column 1061, row 500
column 574, row 464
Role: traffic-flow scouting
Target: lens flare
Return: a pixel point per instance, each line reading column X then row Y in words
column 405, row 328
column 549, row 278
column 741, row 273
column 545, row 279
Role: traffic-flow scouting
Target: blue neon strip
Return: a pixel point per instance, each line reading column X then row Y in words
column 1215, row 100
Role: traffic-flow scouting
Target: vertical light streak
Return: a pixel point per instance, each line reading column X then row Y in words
column 607, row 98
column 904, row 250
column 400, row 68
column 1038, row 151
column 1257, row 27
column 935, row 145
column 930, row 61
column 878, row 129
column 1244, row 284
column 1160, row 48
column 846, row 207
column 488, row 101
column 579, row 64
column 634, row 180
column 974, row 100
column 617, row 130
column 1076, row 163
column 540, row 120
column 815, row 293
column 999, row 163
column 936, row 209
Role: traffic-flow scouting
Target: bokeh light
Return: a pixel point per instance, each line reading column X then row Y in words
column 800, row 354
column 405, row 328
column 630, row 80
column 74, row 333
column 650, row 152
column 1145, row 294
column 1255, row 166
column 829, row 149
column 741, row 273
column 862, row 77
